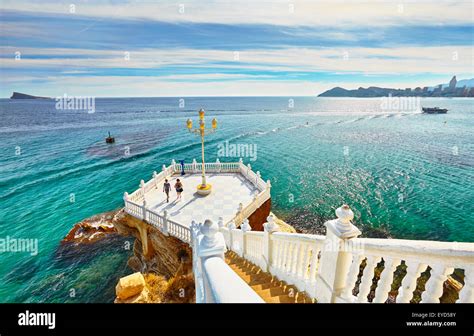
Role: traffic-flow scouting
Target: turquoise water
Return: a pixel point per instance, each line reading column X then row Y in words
column 405, row 173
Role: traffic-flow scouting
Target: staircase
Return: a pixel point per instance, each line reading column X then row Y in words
column 267, row 286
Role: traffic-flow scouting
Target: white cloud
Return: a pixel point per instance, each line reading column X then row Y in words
column 275, row 12
column 401, row 60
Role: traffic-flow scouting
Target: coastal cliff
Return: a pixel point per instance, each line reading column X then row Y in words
column 164, row 262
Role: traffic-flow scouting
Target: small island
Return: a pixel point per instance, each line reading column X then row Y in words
column 18, row 95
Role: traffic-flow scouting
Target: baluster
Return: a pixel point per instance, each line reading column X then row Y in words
column 385, row 283
column 405, row 292
column 303, row 261
column 292, row 259
column 248, row 246
column 165, row 223
column 314, row 263
column 307, row 262
column 352, row 276
column 125, row 200
column 274, row 252
column 296, row 258
column 434, row 286
column 286, row 252
column 281, row 254
column 289, row 259
column 467, row 292
column 276, row 248
column 367, row 276
column 144, row 210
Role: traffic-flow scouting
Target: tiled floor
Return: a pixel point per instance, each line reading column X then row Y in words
column 228, row 190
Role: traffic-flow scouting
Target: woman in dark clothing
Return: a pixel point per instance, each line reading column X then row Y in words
column 179, row 188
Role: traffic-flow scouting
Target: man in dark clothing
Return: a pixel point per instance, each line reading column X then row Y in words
column 166, row 189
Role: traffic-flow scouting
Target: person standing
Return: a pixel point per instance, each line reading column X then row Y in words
column 166, row 190
column 179, row 189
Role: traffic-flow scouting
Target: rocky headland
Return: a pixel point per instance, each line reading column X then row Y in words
column 19, row 95
column 162, row 264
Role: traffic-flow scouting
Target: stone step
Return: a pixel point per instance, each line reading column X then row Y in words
column 268, row 287
column 280, row 299
column 271, row 292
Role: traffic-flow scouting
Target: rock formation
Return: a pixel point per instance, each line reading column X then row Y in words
column 165, row 263
column 18, row 95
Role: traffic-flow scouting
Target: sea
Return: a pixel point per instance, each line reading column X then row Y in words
column 404, row 174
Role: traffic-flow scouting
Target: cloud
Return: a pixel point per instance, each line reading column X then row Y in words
column 277, row 12
column 218, row 47
column 408, row 60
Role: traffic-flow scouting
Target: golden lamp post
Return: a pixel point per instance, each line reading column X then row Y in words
column 203, row 188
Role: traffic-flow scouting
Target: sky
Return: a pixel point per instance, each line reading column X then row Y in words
column 183, row 48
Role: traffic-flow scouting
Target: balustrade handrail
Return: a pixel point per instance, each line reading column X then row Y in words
column 303, row 237
column 225, row 285
column 441, row 252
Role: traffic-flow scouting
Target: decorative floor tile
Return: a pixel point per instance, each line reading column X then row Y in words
column 228, row 190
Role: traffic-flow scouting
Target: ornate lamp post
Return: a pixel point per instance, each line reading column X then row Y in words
column 203, row 188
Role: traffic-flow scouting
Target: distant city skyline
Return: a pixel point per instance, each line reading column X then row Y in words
column 224, row 48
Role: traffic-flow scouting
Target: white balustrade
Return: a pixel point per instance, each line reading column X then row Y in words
column 327, row 267
column 156, row 220
column 134, row 209
column 441, row 257
column 254, row 248
column 215, row 281
column 467, row 292
column 179, row 231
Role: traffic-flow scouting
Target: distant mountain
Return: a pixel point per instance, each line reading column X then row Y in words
column 372, row 91
column 18, row 95
column 463, row 88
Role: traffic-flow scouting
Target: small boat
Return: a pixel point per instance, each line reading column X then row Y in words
column 109, row 139
column 434, row 110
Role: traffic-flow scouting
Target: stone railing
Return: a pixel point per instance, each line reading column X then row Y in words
column 441, row 257
column 136, row 204
column 337, row 267
column 215, row 281
column 328, row 268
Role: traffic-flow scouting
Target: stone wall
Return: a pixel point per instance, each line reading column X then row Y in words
column 259, row 217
